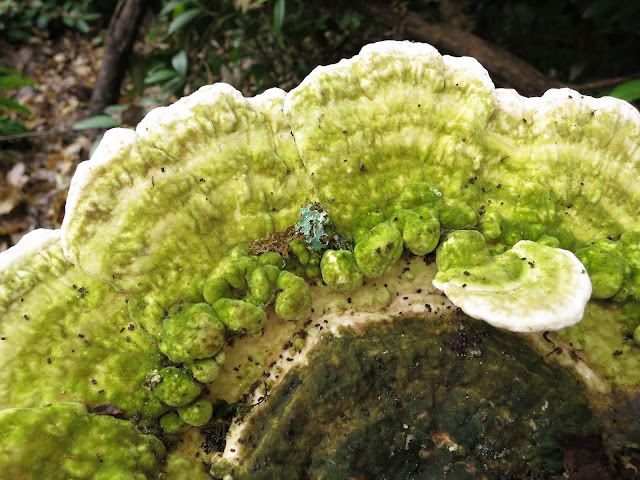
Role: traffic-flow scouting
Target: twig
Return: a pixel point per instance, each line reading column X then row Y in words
column 18, row 136
column 605, row 82
column 46, row 133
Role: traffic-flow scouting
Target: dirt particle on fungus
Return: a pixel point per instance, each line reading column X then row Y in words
column 94, row 381
column 106, row 409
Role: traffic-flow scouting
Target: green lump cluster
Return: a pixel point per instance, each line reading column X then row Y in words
column 181, row 389
column 505, row 232
column 378, row 248
column 614, row 267
column 177, row 388
column 243, row 285
column 192, row 335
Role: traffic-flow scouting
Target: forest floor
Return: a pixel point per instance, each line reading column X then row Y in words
column 35, row 171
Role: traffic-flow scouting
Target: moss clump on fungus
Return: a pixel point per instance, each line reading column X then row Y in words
column 191, row 333
column 379, row 250
column 175, row 387
column 340, row 270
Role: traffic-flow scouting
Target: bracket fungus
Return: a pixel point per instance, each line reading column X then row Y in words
column 151, row 297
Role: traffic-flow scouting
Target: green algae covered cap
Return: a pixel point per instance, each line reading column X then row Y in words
column 67, row 336
column 63, row 441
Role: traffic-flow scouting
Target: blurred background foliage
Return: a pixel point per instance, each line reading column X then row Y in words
column 257, row 44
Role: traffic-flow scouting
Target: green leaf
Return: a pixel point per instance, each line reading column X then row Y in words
column 9, row 104
column 226, row 17
column 119, row 108
column 82, row 25
column 171, row 6
column 160, row 76
column 180, row 62
column 628, row 91
column 11, row 127
column 598, row 8
column 94, row 145
column 11, row 81
column 68, row 21
column 97, row 121
column 182, row 19
column 279, row 9
column 576, row 70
